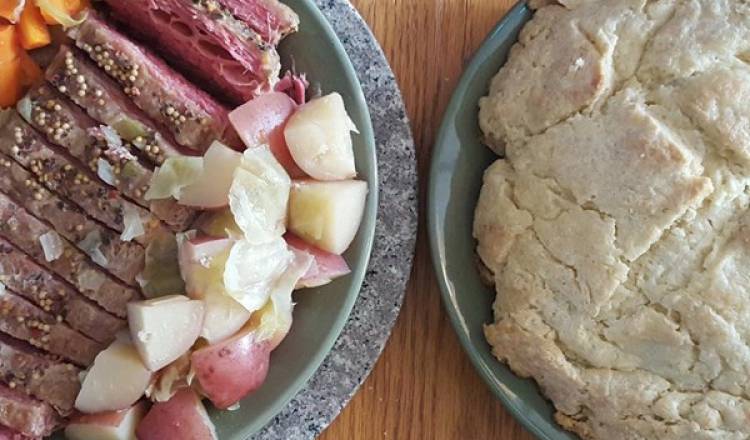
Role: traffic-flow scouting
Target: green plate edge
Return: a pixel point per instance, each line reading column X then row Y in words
column 320, row 314
column 458, row 163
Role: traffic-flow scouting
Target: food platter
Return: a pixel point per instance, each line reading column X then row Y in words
column 320, row 314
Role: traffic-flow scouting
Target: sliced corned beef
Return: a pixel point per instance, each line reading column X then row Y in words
column 271, row 19
column 59, row 172
column 216, row 48
column 27, row 322
column 123, row 259
column 24, row 231
column 39, row 375
column 102, row 98
column 25, row 414
column 11, row 434
column 102, row 150
column 193, row 117
column 295, row 86
column 19, row 273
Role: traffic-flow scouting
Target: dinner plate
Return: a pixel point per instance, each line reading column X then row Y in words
column 320, row 314
column 458, row 164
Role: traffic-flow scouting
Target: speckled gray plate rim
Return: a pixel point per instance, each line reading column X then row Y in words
column 375, row 312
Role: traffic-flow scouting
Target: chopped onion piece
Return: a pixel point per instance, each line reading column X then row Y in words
column 161, row 273
column 61, row 16
column 110, row 136
column 276, row 321
column 133, row 224
column 52, row 245
column 24, row 108
column 91, row 244
column 105, row 172
column 171, row 379
column 129, row 129
column 252, row 270
column 91, row 280
column 175, row 174
column 259, row 196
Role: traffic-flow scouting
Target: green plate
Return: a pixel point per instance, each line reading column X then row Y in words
column 459, row 161
column 320, row 313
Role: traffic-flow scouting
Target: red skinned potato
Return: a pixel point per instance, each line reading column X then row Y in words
column 116, row 425
column 182, row 417
column 325, row 268
column 262, row 121
column 232, row 369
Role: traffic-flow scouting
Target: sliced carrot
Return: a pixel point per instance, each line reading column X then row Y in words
column 77, row 6
column 10, row 47
column 10, row 82
column 32, row 29
column 31, row 73
column 11, row 9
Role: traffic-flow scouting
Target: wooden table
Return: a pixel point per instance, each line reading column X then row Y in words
column 423, row 386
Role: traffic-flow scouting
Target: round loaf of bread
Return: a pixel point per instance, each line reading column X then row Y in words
column 617, row 225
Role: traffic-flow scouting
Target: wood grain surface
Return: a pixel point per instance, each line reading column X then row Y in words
column 423, row 387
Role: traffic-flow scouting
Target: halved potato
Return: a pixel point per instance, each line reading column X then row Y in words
column 115, row 425
column 320, row 141
column 327, row 214
column 182, row 417
column 116, row 381
column 163, row 329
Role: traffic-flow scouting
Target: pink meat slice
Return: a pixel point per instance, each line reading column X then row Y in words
column 90, row 144
column 295, row 86
column 39, row 375
column 26, row 415
column 11, row 434
column 226, row 55
column 193, row 117
column 88, row 86
column 22, row 275
column 271, row 19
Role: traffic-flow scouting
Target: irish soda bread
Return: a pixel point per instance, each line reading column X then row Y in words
column 617, row 227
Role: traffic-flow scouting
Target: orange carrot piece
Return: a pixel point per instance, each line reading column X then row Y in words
column 10, row 48
column 11, row 9
column 76, row 6
column 32, row 29
column 31, row 73
column 10, row 82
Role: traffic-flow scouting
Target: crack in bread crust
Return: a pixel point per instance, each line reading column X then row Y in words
column 618, row 226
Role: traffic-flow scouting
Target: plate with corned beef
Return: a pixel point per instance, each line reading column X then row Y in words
column 188, row 193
